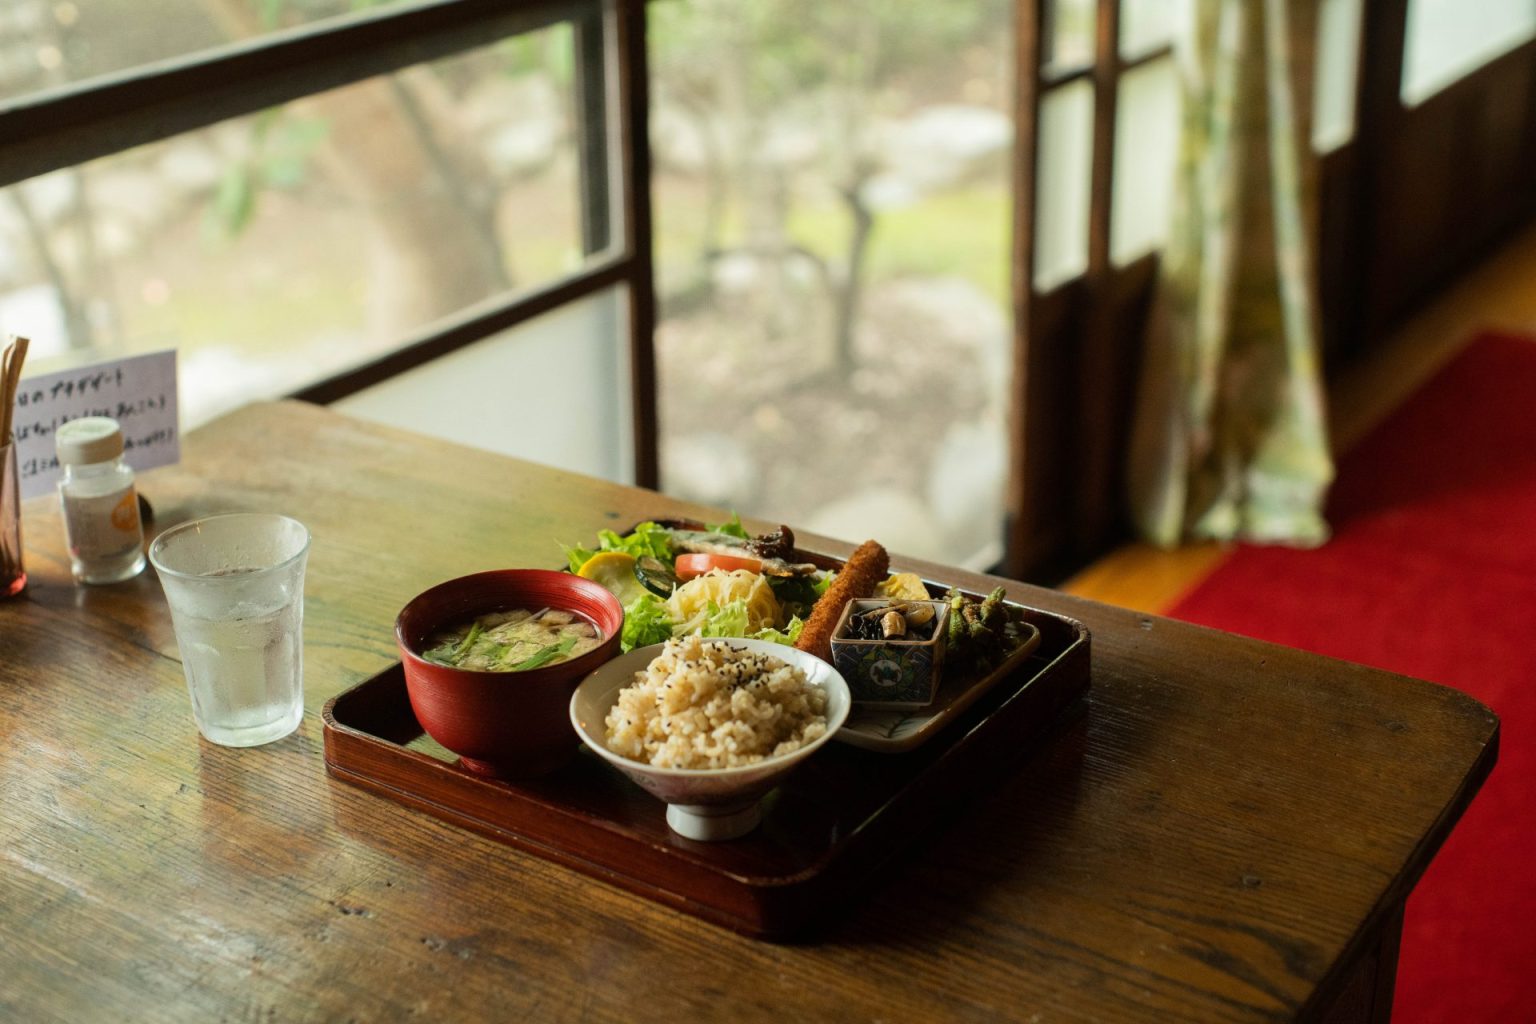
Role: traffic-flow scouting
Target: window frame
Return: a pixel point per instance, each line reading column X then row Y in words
column 1077, row 347
column 72, row 124
column 1077, row 350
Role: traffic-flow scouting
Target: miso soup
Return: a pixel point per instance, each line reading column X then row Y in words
column 513, row 641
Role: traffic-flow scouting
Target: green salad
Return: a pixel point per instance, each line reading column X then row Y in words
column 717, row 581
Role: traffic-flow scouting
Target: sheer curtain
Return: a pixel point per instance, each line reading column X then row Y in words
column 1230, row 440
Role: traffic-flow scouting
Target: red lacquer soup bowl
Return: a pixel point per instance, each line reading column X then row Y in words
column 503, row 723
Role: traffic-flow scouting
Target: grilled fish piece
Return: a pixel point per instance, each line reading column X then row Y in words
column 769, row 548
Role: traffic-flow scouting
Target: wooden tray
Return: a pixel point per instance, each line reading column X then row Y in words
column 824, row 831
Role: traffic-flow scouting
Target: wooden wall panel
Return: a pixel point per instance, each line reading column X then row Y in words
column 1451, row 178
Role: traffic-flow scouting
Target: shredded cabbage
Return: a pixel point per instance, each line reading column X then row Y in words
column 708, row 600
column 728, row 621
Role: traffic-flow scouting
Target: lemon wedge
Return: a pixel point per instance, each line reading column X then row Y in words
column 903, row 586
column 615, row 571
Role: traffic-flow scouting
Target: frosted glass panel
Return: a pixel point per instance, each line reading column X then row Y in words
column 1146, row 25
column 1069, row 43
column 1146, row 146
column 1338, row 65
column 1062, row 184
column 1451, row 38
column 553, row 390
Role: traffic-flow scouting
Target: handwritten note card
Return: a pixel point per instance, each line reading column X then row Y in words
column 138, row 392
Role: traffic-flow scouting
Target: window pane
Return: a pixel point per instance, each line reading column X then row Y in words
column 1448, row 39
column 278, row 249
column 464, row 396
column 1338, row 61
column 1146, row 25
column 1069, row 43
column 1146, row 146
column 46, row 43
column 832, row 214
column 1063, row 184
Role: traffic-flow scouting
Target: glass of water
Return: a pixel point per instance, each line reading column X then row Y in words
column 235, row 584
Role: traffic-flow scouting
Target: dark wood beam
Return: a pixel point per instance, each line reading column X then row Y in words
column 81, row 122
column 633, row 82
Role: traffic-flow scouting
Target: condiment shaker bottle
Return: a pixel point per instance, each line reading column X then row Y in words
column 101, row 506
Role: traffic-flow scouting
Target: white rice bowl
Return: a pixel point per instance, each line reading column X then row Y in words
column 703, row 704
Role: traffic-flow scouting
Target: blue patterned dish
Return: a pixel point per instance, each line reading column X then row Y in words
column 891, row 673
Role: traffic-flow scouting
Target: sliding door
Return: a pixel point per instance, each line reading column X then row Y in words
column 1446, row 147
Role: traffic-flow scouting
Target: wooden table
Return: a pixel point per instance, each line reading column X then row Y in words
column 1229, row 833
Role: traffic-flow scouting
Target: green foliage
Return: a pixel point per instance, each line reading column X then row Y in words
column 822, row 78
column 790, row 48
column 289, row 148
column 550, row 51
column 234, row 200
column 964, row 232
column 281, row 147
column 270, row 12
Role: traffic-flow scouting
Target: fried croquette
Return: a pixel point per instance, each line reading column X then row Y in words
column 866, row 567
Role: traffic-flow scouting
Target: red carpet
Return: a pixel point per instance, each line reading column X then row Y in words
column 1432, row 573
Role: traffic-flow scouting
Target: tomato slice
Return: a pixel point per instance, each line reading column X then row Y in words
column 690, row 565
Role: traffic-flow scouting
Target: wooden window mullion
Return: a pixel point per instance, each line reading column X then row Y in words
column 632, row 74
column 1106, row 84
column 1026, row 516
column 1099, row 361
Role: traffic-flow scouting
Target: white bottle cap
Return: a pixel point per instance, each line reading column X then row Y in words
column 88, row 440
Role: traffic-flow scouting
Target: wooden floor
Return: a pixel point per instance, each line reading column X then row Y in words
column 1500, row 294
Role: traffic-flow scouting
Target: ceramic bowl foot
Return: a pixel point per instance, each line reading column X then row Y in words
column 713, row 824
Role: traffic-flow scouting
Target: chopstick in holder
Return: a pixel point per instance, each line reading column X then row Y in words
column 5, row 397
column 10, row 380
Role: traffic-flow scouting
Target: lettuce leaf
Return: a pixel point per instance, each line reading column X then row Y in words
column 577, row 556
column 646, row 539
column 786, row 636
column 645, row 623
column 731, row 529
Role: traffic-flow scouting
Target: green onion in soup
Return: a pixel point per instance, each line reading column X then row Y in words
column 513, row 641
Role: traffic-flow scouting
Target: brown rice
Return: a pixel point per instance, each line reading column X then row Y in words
column 706, row 704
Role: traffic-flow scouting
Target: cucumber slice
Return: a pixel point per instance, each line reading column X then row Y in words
column 655, row 575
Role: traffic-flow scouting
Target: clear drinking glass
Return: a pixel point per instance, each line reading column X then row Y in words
column 235, row 585
column 12, row 576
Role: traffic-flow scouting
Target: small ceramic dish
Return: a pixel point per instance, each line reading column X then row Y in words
column 711, row 803
column 891, row 673
column 503, row 724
